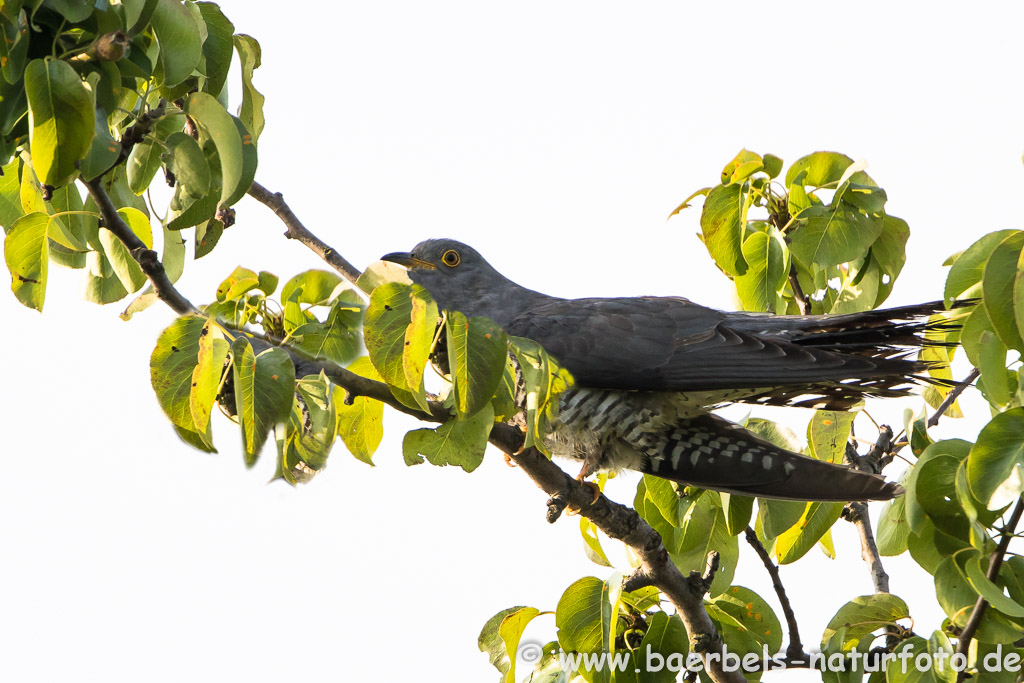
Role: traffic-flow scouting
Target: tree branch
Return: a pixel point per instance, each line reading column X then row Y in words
column 795, row 651
column 860, row 515
column 143, row 255
column 297, row 231
column 617, row 521
column 995, row 562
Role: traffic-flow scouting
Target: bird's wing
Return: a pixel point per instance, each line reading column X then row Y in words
column 672, row 344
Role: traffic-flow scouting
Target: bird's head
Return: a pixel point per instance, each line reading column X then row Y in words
column 456, row 275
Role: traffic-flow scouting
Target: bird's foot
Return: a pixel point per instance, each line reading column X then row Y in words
column 509, row 461
column 593, row 487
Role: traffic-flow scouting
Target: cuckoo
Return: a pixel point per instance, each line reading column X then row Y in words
column 648, row 371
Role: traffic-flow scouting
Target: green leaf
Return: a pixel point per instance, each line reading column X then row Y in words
column 337, row 339
column 893, row 529
column 31, row 194
column 398, row 333
column 180, row 41
column 703, row 531
column 62, row 120
column 199, row 211
column 171, row 366
column 268, row 282
column 976, row 575
column 104, row 151
column 931, row 488
column 206, row 376
column 511, row 632
column 237, row 284
column 759, row 288
column 749, row 623
column 456, row 442
column 477, row 351
column 592, row 544
column 722, row 223
column 249, row 159
column 217, row 47
column 102, row 285
column 776, row 516
column 25, row 251
column 543, row 381
column 219, row 127
column 861, row 616
column 313, row 423
column 827, row 434
column 10, row 195
column 995, row 466
column 828, row 236
column 665, row 637
column 490, row 641
column 738, row 510
column 251, row 111
column 819, row 169
column 997, row 286
column 144, row 159
column 744, row 165
column 66, row 226
column 185, row 159
column 264, row 388
column 14, row 41
column 73, row 11
column 970, row 266
column 63, row 256
column 686, row 202
column 772, row 165
column 585, row 615
column 646, row 508
column 360, row 424
column 815, row 522
column 957, row 597
column 889, row 251
column 666, row 498
column 935, row 668
column 994, row 381
column 312, row 286
column 127, row 269
column 208, row 234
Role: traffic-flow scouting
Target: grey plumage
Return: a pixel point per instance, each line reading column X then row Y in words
column 647, row 371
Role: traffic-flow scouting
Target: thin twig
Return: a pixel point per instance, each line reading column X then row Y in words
column 297, row 231
column 795, row 651
column 995, row 562
column 952, row 396
column 136, row 133
column 798, row 292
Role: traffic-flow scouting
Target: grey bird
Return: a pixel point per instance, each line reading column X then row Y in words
column 648, row 370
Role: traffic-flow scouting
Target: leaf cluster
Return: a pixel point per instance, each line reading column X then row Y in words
column 117, row 92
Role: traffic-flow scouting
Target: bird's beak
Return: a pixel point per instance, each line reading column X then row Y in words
column 404, row 258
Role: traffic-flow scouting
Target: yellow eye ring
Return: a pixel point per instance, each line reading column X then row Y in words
column 451, row 258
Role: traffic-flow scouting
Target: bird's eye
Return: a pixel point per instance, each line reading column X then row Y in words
column 451, row 258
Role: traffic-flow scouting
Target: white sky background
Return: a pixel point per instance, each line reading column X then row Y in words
column 555, row 137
